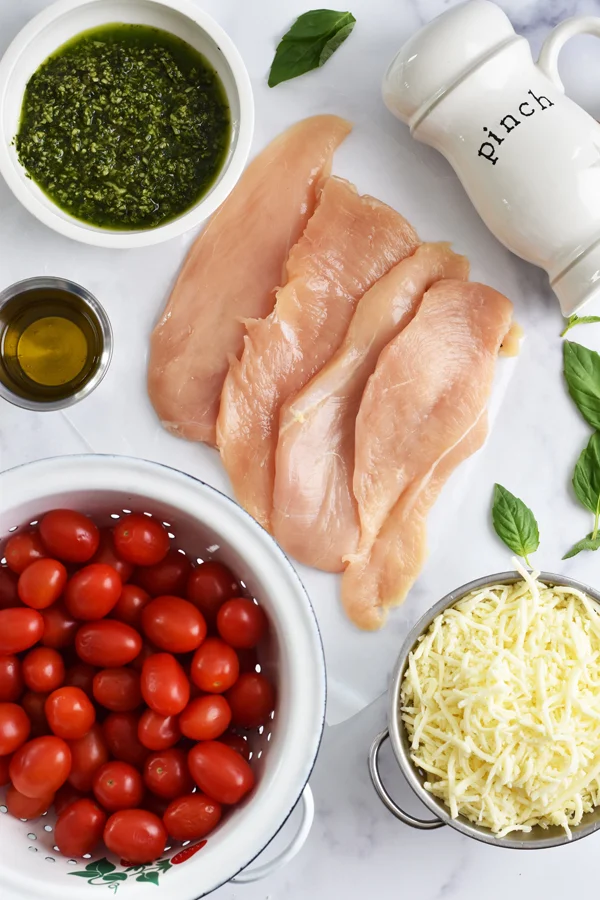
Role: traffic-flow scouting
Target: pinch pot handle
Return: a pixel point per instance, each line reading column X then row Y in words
column 558, row 37
column 422, row 824
column 294, row 847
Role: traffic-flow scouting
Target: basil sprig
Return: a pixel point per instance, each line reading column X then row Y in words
column 582, row 374
column 309, row 43
column 586, row 484
column 587, row 543
column 586, row 478
column 574, row 320
column 514, row 523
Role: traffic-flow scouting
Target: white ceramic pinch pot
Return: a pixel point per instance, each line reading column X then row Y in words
column 528, row 157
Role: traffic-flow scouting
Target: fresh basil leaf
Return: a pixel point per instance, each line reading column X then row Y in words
column 586, row 477
column 334, row 42
column 582, row 374
column 309, row 43
column 574, row 320
column 317, row 22
column 514, row 523
column 588, row 543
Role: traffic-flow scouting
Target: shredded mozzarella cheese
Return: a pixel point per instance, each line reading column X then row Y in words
column 501, row 702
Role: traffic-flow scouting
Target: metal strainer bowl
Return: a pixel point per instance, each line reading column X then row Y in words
column 538, row 838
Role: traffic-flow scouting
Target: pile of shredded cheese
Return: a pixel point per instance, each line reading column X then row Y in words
column 501, row 702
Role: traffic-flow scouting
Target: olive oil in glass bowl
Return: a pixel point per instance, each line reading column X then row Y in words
column 55, row 343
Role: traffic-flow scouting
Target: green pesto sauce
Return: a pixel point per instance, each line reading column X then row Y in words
column 124, row 127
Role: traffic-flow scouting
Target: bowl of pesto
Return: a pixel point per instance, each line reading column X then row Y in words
column 123, row 123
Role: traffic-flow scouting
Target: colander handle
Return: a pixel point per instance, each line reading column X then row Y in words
column 294, row 847
column 423, row 824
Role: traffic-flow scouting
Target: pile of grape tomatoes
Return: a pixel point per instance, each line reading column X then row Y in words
column 128, row 677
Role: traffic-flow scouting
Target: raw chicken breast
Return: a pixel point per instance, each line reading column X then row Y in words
column 420, row 415
column 383, row 578
column 232, row 272
column 315, row 517
column 349, row 243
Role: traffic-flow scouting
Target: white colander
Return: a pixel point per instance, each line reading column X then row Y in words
column 205, row 524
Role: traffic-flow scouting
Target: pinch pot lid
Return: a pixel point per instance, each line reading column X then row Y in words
column 440, row 54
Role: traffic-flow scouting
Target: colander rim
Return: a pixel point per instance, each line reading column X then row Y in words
column 71, row 464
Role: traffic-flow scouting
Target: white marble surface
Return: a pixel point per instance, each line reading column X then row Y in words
column 381, row 158
column 357, row 850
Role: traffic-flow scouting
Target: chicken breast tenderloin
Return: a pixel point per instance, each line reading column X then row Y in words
column 315, row 516
column 421, row 414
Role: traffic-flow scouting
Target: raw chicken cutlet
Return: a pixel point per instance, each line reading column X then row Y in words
column 348, row 244
column 315, row 516
column 422, row 413
column 232, row 273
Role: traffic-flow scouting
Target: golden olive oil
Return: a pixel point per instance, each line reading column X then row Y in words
column 52, row 351
column 50, row 344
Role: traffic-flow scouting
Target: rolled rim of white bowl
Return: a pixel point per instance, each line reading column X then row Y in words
column 28, row 193
column 84, row 480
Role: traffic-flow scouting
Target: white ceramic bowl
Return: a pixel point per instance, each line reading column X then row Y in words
column 205, row 524
column 64, row 20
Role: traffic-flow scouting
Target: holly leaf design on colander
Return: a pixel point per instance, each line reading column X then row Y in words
column 163, row 865
column 152, row 877
column 102, row 871
column 97, row 868
column 103, row 866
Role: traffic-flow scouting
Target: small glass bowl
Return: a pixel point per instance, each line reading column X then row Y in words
column 15, row 301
